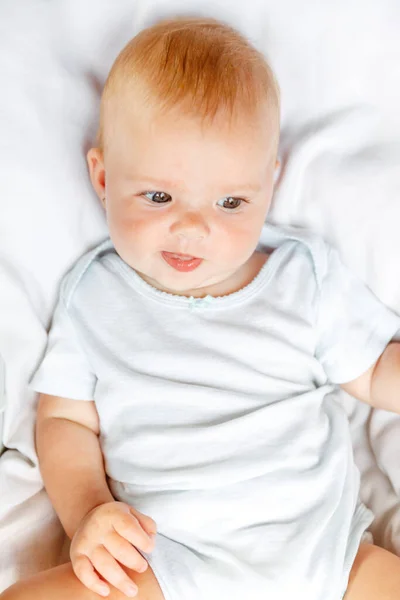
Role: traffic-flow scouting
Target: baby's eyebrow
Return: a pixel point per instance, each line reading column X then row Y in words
column 156, row 184
column 239, row 189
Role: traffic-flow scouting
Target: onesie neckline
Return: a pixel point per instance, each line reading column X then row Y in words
column 207, row 302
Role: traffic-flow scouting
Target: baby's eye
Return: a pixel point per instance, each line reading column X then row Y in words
column 230, row 202
column 159, row 197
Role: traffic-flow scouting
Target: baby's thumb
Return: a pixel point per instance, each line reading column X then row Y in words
column 146, row 522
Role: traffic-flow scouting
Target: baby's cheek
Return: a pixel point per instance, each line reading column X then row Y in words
column 139, row 237
column 238, row 243
column 125, row 224
column 123, row 235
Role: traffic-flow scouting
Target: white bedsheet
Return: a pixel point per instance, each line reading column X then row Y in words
column 338, row 63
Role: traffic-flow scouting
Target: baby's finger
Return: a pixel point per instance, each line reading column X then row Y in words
column 124, row 552
column 108, row 568
column 85, row 572
column 129, row 527
column 148, row 524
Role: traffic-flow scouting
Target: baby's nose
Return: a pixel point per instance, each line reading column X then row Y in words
column 190, row 225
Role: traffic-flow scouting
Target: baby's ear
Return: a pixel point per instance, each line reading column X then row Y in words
column 97, row 171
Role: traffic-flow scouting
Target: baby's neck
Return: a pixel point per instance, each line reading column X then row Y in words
column 234, row 283
column 239, row 279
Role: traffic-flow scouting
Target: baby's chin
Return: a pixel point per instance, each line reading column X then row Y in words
column 183, row 284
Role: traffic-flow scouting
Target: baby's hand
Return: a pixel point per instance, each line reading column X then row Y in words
column 109, row 533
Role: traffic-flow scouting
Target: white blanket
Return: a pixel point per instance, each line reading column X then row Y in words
column 338, row 66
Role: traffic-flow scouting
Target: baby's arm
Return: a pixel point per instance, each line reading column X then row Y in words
column 103, row 531
column 70, row 458
column 380, row 385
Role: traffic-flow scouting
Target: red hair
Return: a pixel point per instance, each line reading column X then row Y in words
column 201, row 66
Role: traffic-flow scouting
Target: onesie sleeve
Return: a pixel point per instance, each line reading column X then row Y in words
column 64, row 370
column 353, row 325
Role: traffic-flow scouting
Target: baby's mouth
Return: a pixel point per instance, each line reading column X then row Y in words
column 181, row 262
column 181, row 256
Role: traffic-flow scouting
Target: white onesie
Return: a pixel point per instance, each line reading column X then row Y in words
column 219, row 419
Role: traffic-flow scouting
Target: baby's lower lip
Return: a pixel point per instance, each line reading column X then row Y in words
column 181, row 262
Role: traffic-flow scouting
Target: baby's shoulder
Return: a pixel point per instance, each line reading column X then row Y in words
column 298, row 246
column 82, row 266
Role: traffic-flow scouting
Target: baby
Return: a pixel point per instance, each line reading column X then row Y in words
column 188, row 432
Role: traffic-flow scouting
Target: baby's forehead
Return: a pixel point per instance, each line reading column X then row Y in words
column 131, row 122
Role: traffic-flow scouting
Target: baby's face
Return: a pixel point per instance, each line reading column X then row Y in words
column 185, row 204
